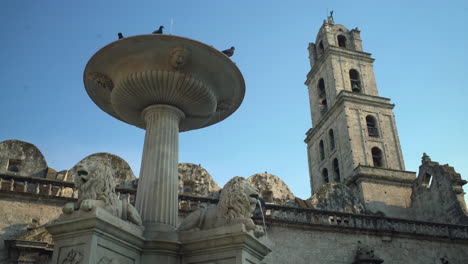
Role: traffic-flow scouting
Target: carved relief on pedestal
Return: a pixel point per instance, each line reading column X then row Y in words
column 108, row 260
column 73, row 257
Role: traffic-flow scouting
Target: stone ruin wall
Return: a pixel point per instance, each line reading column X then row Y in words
column 195, row 180
column 271, row 188
column 438, row 194
column 302, row 246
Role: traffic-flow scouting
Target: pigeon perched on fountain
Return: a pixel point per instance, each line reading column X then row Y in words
column 120, row 35
column 159, row 31
column 229, row 52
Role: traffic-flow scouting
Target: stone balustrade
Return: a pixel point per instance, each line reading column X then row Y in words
column 312, row 218
column 37, row 186
column 189, row 203
column 51, row 188
column 326, row 219
column 274, row 214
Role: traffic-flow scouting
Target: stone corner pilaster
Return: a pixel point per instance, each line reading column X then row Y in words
column 233, row 244
column 94, row 237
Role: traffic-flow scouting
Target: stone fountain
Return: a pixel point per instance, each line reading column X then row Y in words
column 164, row 84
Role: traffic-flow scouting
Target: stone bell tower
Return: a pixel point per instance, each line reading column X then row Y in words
column 354, row 137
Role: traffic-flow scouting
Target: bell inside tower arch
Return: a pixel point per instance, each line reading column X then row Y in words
column 341, row 41
column 322, row 96
column 355, row 81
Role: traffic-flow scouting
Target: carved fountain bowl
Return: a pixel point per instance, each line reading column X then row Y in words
column 130, row 74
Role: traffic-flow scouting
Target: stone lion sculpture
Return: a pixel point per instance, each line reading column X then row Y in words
column 236, row 205
column 96, row 188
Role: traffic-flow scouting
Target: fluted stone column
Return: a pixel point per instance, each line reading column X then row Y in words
column 157, row 198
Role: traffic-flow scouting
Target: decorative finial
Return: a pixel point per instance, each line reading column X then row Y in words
column 425, row 158
column 330, row 18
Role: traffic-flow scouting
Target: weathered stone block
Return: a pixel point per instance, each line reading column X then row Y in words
column 95, row 237
column 223, row 245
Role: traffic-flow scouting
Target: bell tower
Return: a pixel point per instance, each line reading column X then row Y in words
column 354, row 138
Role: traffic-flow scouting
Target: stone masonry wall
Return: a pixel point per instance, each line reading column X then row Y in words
column 342, row 66
column 362, row 143
column 337, row 122
column 392, row 199
column 298, row 246
column 16, row 214
column 324, row 72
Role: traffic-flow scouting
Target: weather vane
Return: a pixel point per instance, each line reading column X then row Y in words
column 330, row 18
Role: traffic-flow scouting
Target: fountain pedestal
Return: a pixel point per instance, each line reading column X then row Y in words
column 227, row 245
column 157, row 199
column 95, row 237
column 99, row 237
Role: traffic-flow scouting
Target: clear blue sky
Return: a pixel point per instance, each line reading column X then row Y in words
column 421, row 64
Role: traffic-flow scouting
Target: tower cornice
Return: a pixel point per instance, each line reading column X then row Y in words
column 347, row 96
column 399, row 177
column 340, row 52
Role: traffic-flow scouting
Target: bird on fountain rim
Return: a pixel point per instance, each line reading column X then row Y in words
column 159, row 31
column 229, row 52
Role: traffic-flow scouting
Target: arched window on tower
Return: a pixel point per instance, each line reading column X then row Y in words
column 341, row 41
column 336, row 170
column 322, row 95
column 377, row 157
column 355, row 81
column 321, row 47
column 322, row 150
column 325, row 175
column 372, row 129
column 331, row 138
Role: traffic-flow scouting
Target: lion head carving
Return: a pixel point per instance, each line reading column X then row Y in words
column 94, row 179
column 236, row 205
column 179, row 57
column 238, row 199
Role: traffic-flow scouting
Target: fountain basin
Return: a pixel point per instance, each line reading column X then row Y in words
column 130, row 74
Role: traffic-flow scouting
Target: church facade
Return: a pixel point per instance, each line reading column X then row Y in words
column 364, row 206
